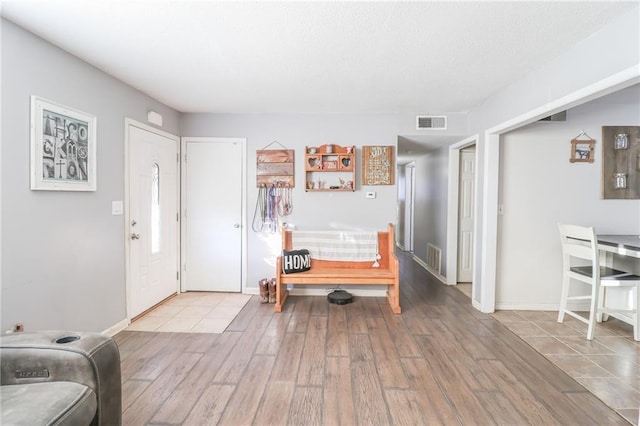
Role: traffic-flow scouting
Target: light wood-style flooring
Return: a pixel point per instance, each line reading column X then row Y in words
column 439, row 362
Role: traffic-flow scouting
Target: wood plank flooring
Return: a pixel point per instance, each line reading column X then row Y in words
column 439, row 362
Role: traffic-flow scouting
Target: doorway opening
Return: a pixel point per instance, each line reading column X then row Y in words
column 461, row 209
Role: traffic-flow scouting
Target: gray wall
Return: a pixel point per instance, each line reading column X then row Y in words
column 312, row 210
column 63, row 261
column 613, row 49
column 430, row 220
column 63, row 253
column 540, row 188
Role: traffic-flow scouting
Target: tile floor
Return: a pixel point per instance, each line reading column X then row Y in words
column 193, row 312
column 608, row 366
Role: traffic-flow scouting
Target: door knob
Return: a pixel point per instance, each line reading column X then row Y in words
column 235, row 225
column 135, row 236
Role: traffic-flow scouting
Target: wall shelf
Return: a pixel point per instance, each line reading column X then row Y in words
column 330, row 168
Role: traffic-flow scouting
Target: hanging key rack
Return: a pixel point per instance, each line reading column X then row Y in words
column 275, row 170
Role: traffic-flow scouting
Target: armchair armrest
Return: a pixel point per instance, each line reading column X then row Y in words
column 90, row 359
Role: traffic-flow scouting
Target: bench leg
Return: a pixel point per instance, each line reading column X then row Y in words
column 281, row 295
column 278, row 306
column 393, row 297
column 280, row 299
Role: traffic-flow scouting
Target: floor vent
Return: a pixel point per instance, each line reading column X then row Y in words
column 434, row 256
column 431, row 122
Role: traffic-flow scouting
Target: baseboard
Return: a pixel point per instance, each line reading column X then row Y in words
column 360, row 292
column 430, row 269
column 117, row 328
column 578, row 306
column 476, row 305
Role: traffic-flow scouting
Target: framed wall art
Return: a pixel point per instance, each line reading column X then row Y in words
column 378, row 165
column 582, row 149
column 63, row 147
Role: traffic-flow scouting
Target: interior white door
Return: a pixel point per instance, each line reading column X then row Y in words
column 212, row 196
column 466, row 215
column 153, row 218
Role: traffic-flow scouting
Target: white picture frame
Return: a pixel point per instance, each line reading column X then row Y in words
column 63, row 147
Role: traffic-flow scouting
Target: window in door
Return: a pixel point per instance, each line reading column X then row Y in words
column 155, row 208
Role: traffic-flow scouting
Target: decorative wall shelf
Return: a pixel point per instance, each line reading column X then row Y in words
column 330, row 168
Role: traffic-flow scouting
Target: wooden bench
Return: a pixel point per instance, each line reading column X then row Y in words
column 345, row 272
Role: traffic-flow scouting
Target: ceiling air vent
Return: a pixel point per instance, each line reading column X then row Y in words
column 433, row 122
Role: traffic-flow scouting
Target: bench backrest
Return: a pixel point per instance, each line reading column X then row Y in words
column 386, row 246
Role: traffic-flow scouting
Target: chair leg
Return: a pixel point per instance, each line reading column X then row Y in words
column 563, row 298
column 592, row 312
column 636, row 316
column 601, row 298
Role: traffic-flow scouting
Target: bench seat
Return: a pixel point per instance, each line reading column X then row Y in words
column 336, row 275
column 344, row 272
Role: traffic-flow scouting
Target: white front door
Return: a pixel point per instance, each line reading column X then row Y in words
column 152, row 215
column 212, row 190
column 465, row 215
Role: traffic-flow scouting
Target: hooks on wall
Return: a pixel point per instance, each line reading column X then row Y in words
column 273, row 201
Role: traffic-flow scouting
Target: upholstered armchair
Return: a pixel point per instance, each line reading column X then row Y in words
column 60, row 378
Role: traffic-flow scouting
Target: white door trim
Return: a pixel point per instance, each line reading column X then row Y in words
column 129, row 122
column 243, row 224
column 485, row 260
column 409, row 204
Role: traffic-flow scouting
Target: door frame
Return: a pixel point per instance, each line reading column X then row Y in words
column 409, row 205
column 129, row 122
column 243, row 207
column 453, row 207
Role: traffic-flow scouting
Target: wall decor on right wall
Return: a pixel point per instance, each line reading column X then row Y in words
column 621, row 162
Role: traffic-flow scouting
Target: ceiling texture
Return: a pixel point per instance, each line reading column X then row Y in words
column 316, row 57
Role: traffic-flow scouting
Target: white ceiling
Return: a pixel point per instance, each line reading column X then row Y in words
column 315, row 57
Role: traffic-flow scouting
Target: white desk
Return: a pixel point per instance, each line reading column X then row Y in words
column 627, row 246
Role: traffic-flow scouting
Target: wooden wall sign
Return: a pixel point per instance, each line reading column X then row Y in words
column 621, row 162
column 275, row 167
column 378, row 165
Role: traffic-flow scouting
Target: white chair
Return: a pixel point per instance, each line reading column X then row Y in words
column 580, row 243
